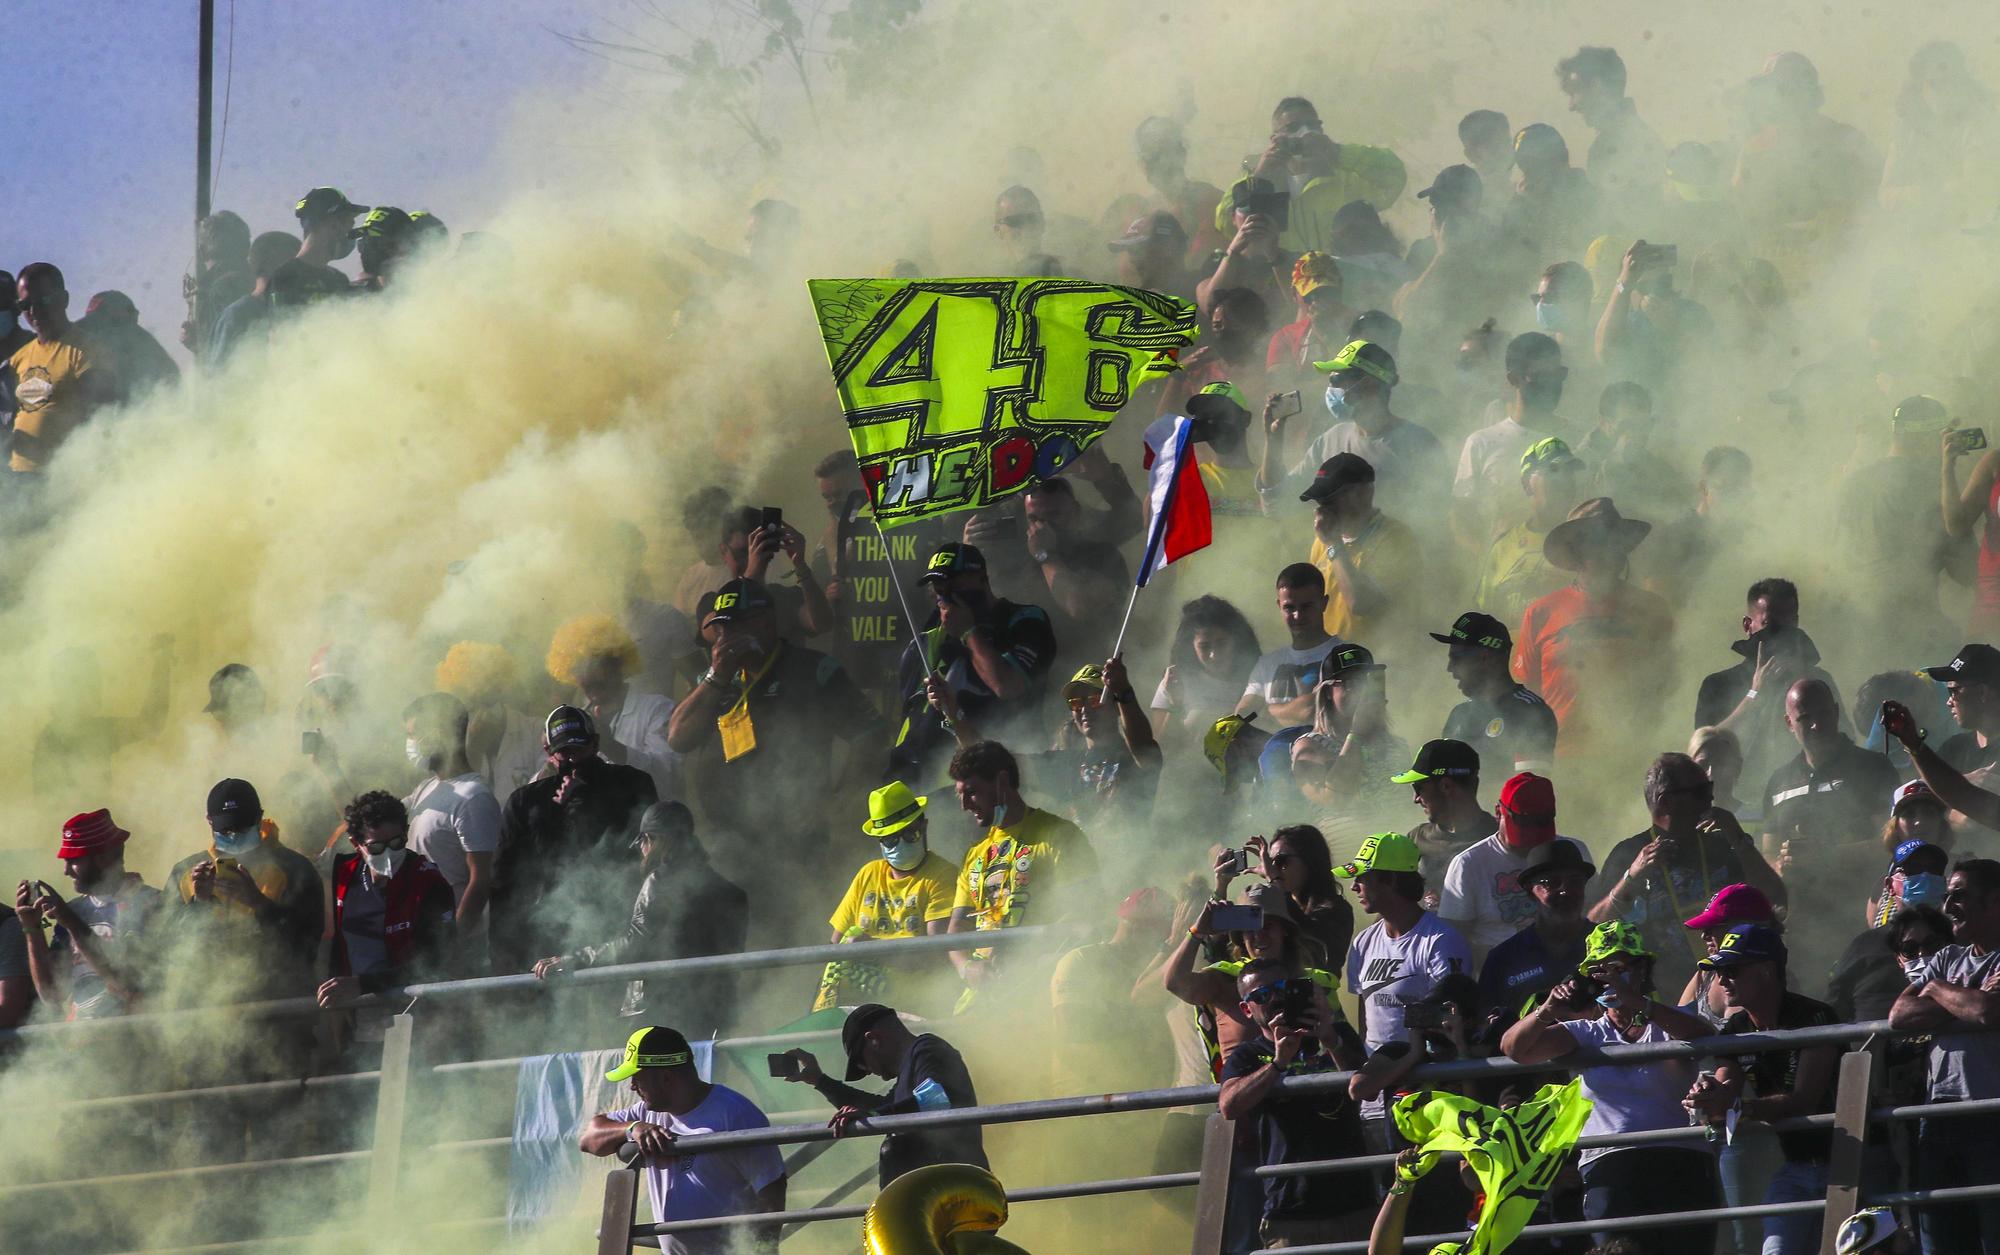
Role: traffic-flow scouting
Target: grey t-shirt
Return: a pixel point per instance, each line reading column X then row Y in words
column 1964, row 1065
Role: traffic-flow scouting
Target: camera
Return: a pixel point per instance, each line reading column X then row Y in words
column 1258, row 197
column 1425, row 1015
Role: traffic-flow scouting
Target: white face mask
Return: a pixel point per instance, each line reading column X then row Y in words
column 413, row 750
column 237, row 844
column 387, row 862
column 904, row 855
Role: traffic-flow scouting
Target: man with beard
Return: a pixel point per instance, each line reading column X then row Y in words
column 61, row 377
column 326, row 234
column 1656, row 880
column 89, row 968
column 558, row 832
column 1748, row 699
column 1520, row 971
column 1508, row 723
column 991, row 653
column 1372, row 562
column 1483, row 896
column 1959, row 987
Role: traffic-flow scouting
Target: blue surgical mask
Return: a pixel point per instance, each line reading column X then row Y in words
column 904, row 856
column 1000, row 814
column 1550, row 316
column 1923, row 889
column 237, row 844
column 1336, row 401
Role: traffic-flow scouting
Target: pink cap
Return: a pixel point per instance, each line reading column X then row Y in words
column 1735, row 904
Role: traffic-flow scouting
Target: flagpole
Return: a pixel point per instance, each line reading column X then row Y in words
column 1130, row 602
column 889, row 560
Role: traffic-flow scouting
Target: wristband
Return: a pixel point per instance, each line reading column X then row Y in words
column 1194, row 932
column 630, row 1128
column 1402, row 1188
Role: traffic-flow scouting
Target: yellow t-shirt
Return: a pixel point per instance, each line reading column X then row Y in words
column 1232, row 490
column 1006, row 869
column 884, row 908
column 52, row 382
column 1386, row 552
column 1515, row 573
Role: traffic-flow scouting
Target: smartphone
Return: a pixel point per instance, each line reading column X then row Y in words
column 1424, row 1015
column 1275, row 205
column 309, row 742
column 1289, row 404
column 1236, row 919
column 1235, row 861
column 783, row 1067
column 773, row 517
column 1975, row 438
column 225, row 865
column 1003, row 527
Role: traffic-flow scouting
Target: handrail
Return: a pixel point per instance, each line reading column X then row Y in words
column 1201, row 1095
column 478, row 986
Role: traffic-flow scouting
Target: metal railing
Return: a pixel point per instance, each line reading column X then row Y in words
column 1848, row 1122
column 618, row 1231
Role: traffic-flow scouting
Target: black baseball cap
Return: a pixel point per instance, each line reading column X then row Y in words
column 1336, row 473
column 738, row 599
column 1975, row 664
column 233, row 805
column 567, row 726
column 1482, row 631
column 1441, row 758
column 1454, row 188
column 1551, row 857
column 1351, row 657
column 859, row 1021
column 1746, row 943
column 953, row 559
column 323, row 202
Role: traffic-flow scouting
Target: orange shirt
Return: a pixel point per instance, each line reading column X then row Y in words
column 1590, row 657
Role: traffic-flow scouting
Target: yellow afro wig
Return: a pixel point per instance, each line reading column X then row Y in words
column 592, row 636
column 475, row 672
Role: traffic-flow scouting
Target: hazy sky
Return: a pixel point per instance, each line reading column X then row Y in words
column 393, row 101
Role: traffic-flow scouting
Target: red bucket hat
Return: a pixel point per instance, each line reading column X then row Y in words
column 93, row 833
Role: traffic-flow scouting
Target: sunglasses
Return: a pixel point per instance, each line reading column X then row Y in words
column 1268, row 993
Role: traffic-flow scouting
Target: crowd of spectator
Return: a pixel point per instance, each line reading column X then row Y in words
column 698, row 775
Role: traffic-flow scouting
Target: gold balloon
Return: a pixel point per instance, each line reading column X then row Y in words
column 945, row 1209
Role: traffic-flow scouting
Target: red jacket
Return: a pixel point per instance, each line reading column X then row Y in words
column 416, row 921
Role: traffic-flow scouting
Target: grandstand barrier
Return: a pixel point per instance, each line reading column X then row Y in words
column 619, row 1229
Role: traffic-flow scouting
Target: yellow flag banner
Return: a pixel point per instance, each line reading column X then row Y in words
column 1515, row 1153
column 958, row 392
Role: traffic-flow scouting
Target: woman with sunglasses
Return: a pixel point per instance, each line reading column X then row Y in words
column 1611, row 1002
column 1296, row 859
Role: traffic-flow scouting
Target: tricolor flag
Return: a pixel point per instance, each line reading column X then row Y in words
column 1176, row 497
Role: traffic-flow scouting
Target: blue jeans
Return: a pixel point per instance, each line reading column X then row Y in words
column 1746, row 1164
column 1964, row 1151
column 1796, row 1234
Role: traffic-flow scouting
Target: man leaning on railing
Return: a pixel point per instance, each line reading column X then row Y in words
column 673, row 1101
column 1959, row 987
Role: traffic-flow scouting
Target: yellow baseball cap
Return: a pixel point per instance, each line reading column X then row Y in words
column 1087, row 682
column 1383, row 852
column 651, row 1047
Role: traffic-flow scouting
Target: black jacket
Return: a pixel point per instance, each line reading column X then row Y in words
column 932, row 1077
column 556, row 877
column 682, row 912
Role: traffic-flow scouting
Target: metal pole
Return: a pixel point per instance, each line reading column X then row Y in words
column 1850, row 1137
column 1211, row 1199
column 391, row 1109
column 204, row 110
column 621, row 1203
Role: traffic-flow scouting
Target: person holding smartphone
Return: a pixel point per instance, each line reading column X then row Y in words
column 87, row 969
column 929, row 1075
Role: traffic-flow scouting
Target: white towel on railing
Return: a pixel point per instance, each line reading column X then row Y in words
column 547, row 1176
